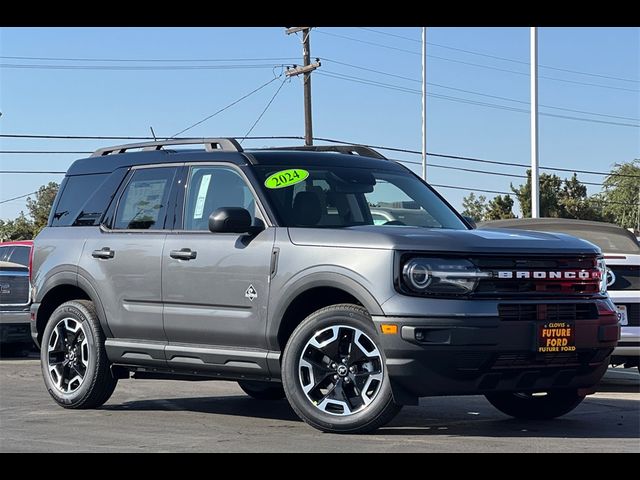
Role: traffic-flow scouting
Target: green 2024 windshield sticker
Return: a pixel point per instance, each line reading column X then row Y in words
column 286, row 178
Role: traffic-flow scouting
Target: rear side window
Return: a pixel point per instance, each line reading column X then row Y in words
column 77, row 190
column 143, row 204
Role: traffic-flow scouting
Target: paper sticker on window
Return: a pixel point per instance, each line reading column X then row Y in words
column 202, row 195
column 286, row 178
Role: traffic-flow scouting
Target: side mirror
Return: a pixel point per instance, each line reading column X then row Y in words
column 232, row 220
column 470, row 221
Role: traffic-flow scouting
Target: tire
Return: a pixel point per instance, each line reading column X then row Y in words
column 262, row 390
column 77, row 374
column 351, row 396
column 532, row 407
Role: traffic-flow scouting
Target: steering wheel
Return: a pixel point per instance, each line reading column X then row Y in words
column 394, row 222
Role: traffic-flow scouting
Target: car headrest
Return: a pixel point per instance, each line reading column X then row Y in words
column 307, row 209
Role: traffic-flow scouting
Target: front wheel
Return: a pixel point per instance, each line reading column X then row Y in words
column 536, row 406
column 333, row 372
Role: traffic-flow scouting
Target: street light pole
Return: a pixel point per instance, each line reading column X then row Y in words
column 535, row 178
column 424, row 103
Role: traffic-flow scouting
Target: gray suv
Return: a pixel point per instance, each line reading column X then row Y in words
column 268, row 268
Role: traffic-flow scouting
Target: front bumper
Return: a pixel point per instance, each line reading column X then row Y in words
column 476, row 355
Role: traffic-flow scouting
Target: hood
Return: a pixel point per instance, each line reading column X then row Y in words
column 442, row 240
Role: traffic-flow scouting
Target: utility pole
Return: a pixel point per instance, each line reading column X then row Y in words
column 535, row 178
column 424, row 103
column 305, row 70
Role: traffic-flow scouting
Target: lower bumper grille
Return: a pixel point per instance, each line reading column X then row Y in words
column 547, row 311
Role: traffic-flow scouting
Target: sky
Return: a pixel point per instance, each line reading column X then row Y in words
column 367, row 90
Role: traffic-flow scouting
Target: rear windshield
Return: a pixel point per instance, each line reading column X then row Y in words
column 15, row 254
column 333, row 197
column 608, row 241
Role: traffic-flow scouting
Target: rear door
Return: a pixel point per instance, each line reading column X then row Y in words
column 215, row 303
column 124, row 260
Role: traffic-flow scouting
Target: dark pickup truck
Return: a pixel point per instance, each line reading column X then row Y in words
column 15, row 298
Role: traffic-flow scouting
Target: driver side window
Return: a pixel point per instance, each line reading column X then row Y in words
column 210, row 188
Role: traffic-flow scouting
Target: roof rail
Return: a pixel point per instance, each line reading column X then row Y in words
column 210, row 145
column 348, row 149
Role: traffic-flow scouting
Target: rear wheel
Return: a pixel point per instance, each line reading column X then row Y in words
column 536, row 406
column 334, row 374
column 262, row 390
column 73, row 359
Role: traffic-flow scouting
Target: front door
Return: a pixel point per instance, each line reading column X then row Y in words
column 216, row 285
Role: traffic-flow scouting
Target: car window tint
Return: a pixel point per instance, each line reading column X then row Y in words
column 143, row 205
column 210, row 188
column 19, row 254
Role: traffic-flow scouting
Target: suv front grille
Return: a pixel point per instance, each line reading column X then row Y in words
column 14, row 289
column 547, row 312
column 547, row 276
column 627, row 277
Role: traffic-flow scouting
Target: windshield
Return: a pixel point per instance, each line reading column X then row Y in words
column 334, row 197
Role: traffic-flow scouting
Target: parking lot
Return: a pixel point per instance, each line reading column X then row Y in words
column 151, row 415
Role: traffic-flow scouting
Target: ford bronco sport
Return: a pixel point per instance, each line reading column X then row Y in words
column 267, row 267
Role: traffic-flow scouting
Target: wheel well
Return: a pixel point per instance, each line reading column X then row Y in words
column 53, row 299
column 305, row 304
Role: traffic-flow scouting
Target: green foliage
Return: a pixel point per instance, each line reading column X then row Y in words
column 559, row 198
column 26, row 228
column 500, row 207
column 474, row 207
column 622, row 189
column 477, row 207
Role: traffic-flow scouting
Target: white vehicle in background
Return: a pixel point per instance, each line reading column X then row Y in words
column 622, row 256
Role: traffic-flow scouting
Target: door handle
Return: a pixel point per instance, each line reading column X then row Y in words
column 104, row 252
column 183, row 254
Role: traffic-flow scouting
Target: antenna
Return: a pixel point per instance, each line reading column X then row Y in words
column 154, row 134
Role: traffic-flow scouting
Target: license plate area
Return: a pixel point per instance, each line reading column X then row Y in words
column 556, row 337
column 622, row 314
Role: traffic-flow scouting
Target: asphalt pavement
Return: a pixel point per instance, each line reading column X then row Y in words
column 180, row 416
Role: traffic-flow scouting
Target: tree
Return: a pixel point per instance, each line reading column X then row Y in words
column 550, row 186
column 559, row 198
column 20, row 228
column 499, row 207
column 26, row 228
column 474, row 207
column 40, row 207
column 621, row 194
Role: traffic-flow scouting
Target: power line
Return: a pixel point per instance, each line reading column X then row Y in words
column 41, row 151
column 225, row 108
column 295, row 137
column 479, row 65
column 17, row 198
column 169, row 60
column 466, row 100
column 138, row 67
column 32, row 171
column 264, row 111
column 473, row 92
column 497, row 57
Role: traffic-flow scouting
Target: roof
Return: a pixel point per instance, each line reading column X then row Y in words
column 26, row 243
column 609, row 237
column 113, row 161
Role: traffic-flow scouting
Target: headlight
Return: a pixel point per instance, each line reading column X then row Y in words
column 445, row 276
column 602, row 268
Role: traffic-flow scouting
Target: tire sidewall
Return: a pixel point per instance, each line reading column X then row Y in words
column 291, row 380
column 79, row 313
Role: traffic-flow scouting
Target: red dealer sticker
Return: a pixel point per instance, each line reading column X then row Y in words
column 556, row 337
